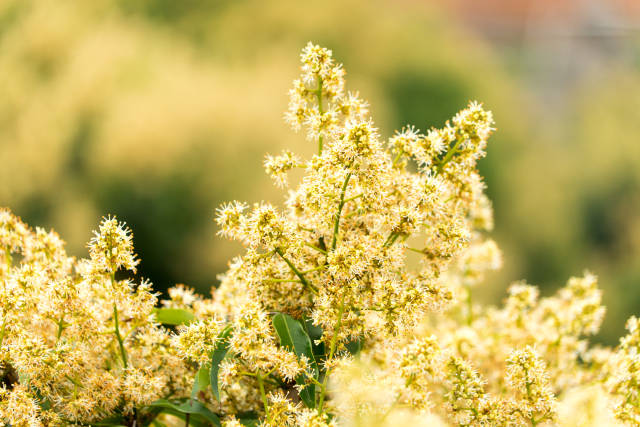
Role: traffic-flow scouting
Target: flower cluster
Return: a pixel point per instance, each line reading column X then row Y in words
column 352, row 306
column 78, row 344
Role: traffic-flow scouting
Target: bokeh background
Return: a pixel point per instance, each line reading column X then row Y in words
column 159, row 110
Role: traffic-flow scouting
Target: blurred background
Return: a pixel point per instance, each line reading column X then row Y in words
column 159, row 110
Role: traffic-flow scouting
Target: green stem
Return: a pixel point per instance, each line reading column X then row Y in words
column 123, row 353
column 336, row 225
column 116, row 324
column 60, row 328
column 334, row 338
column 391, row 239
column 297, row 272
column 449, row 155
column 74, row 381
column 397, row 158
column 332, row 350
column 322, row 251
column 419, row 251
column 283, row 280
column 353, row 198
column 529, row 397
column 315, row 381
column 186, row 419
column 263, row 394
column 321, row 267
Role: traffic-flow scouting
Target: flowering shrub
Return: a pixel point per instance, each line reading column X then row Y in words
column 353, row 307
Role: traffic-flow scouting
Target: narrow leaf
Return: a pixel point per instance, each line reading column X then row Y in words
column 194, row 420
column 217, row 355
column 201, row 381
column 293, row 336
column 173, row 316
column 192, row 407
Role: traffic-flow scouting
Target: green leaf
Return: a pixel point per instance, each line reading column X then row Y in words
column 249, row 422
column 354, row 346
column 293, row 336
column 315, row 333
column 173, row 316
column 201, row 381
column 217, row 355
column 24, row 379
column 193, row 407
column 194, row 421
column 43, row 402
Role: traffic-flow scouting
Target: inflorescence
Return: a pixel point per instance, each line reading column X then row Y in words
column 352, row 306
